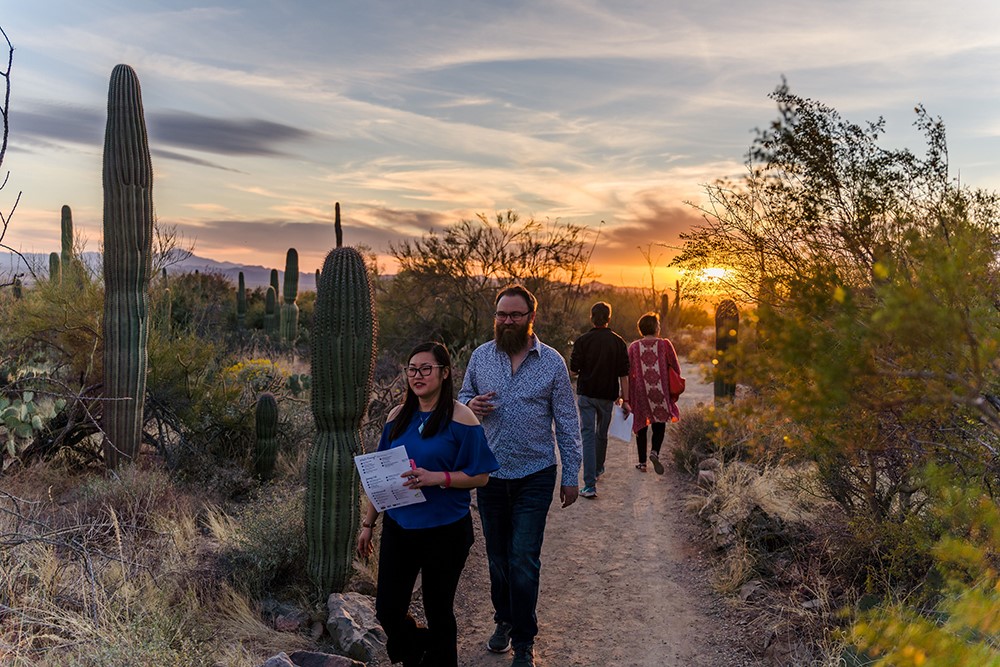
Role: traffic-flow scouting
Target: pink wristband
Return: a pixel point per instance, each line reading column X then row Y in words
column 447, row 479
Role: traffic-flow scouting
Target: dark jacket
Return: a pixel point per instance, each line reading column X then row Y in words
column 600, row 356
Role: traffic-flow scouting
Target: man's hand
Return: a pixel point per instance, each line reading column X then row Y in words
column 482, row 405
column 626, row 408
column 568, row 495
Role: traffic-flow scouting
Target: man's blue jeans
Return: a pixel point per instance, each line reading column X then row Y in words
column 513, row 513
column 595, row 418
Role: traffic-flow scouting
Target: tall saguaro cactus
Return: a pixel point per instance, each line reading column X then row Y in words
column 66, row 225
column 727, row 327
column 55, row 268
column 343, row 359
column 128, row 233
column 271, row 312
column 241, row 302
column 290, row 309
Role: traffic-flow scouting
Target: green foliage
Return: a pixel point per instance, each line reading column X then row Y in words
column 447, row 282
column 267, row 549
column 960, row 628
column 128, row 235
column 875, row 281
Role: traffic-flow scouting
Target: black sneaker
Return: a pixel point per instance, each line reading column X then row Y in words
column 499, row 641
column 524, row 656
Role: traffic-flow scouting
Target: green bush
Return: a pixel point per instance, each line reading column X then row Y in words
column 267, row 548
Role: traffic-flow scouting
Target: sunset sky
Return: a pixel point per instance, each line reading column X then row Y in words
column 417, row 114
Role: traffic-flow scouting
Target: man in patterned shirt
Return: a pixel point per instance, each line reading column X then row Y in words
column 519, row 388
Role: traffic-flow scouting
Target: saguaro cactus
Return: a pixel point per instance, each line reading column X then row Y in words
column 343, row 359
column 274, row 282
column 727, row 327
column 290, row 309
column 67, row 235
column 271, row 312
column 55, row 268
column 267, row 435
column 128, row 233
column 241, row 302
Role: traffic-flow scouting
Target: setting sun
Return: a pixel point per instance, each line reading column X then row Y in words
column 714, row 273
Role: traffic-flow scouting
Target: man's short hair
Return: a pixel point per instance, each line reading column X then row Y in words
column 648, row 324
column 521, row 291
column 600, row 313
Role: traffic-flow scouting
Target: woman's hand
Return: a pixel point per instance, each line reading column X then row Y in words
column 421, row 477
column 365, row 547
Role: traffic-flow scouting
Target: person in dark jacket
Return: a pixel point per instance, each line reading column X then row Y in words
column 600, row 361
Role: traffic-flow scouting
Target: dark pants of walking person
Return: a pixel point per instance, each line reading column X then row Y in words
column 595, row 418
column 439, row 554
column 659, row 429
column 513, row 513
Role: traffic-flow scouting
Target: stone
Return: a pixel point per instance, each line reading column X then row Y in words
column 316, row 659
column 706, row 478
column 287, row 623
column 709, row 464
column 354, row 629
column 279, row 660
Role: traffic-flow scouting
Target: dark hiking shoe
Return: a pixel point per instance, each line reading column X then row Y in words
column 499, row 641
column 654, row 458
column 524, row 656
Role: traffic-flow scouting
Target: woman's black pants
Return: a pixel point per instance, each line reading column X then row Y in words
column 439, row 555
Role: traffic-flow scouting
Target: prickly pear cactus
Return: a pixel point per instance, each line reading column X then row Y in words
column 267, row 435
column 727, row 327
column 241, row 303
column 289, row 309
column 343, row 358
column 128, row 233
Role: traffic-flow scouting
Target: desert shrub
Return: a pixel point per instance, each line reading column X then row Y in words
column 264, row 541
column 961, row 625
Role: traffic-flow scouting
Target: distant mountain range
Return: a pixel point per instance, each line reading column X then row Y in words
column 255, row 276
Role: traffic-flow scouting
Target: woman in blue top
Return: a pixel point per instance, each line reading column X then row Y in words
column 449, row 456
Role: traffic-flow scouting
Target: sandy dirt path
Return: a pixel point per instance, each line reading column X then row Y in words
column 625, row 580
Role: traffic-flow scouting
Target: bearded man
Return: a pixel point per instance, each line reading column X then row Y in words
column 520, row 388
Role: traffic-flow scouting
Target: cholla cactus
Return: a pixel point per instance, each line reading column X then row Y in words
column 128, row 233
column 267, row 435
column 290, row 309
column 343, row 358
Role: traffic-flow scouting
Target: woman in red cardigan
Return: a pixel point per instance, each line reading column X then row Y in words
column 649, row 388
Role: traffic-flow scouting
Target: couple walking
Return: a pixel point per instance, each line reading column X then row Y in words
column 637, row 376
column 516, row 406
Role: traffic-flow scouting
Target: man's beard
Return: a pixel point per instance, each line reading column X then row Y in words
column 512, row 338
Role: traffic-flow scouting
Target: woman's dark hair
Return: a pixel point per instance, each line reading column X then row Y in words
column 445, row 408
column 648, row 323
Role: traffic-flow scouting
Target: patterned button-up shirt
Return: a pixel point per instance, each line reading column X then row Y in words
column 534, row 410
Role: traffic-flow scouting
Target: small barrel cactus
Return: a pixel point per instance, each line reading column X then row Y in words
column 128, row 234
column 343, row 359
column 289, row 309
column 267, row 435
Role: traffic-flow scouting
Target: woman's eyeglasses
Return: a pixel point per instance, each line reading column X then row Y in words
column 421, row 371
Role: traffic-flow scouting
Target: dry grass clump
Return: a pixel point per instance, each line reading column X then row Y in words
column 776, row 533
column 122, row 571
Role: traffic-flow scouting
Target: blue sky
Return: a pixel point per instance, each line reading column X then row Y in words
column 417, row 114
